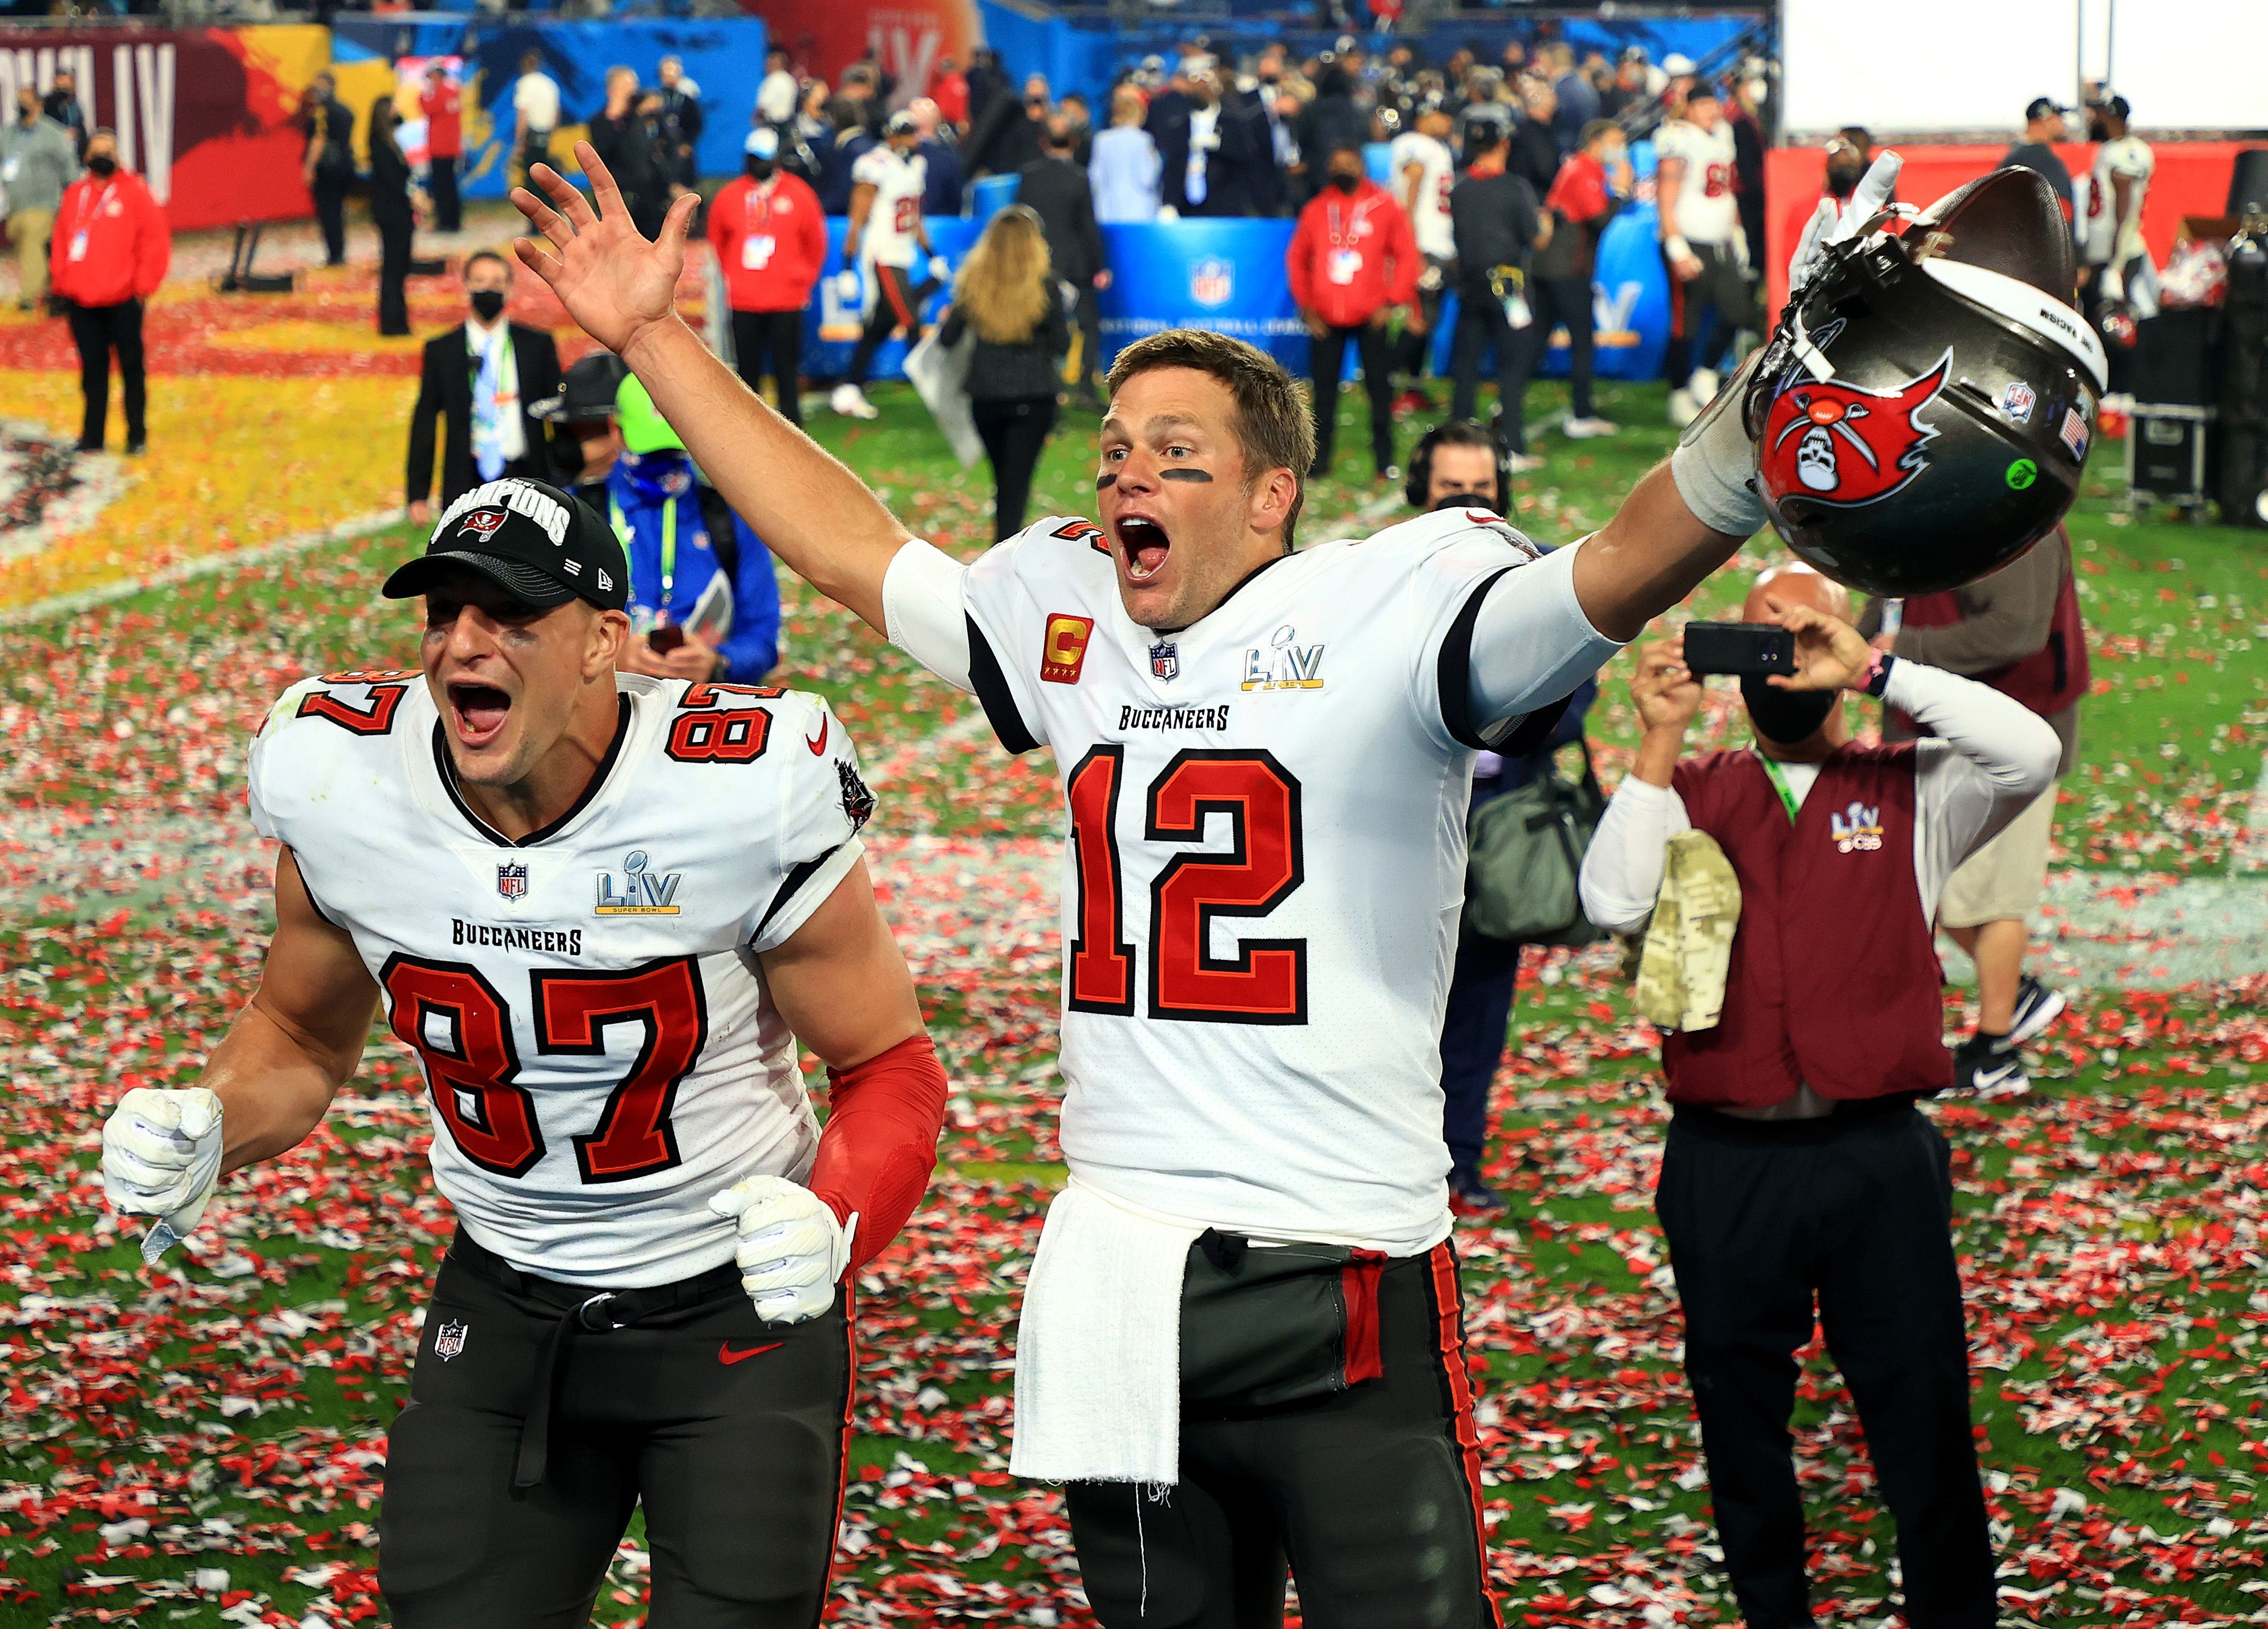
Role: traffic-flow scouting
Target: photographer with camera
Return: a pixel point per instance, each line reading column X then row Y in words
column 1799, row 1169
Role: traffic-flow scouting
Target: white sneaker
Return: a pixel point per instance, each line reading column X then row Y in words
column 1702, row 385
column 1584, row 429
column 851, row 403
column 1683, row 410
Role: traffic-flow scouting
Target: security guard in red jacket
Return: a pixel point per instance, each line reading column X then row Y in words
column 111, row 246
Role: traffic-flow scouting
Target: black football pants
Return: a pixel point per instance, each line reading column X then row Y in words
column 1372, row 1495
column 897, row 304
column 771, row 341
column 729, row 1430
column 1721, row 288
column 1855, row 1209
column 1326, row 360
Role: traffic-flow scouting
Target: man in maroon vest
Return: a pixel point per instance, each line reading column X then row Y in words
column 2018, row 631
column 1798, row 1166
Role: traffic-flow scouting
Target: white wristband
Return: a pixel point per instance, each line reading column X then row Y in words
column 1676, row 247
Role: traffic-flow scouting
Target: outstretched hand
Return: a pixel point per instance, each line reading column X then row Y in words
column 1830, row 654
column 612, row 281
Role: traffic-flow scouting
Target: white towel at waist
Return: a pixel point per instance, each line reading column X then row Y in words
column 1099, row 1348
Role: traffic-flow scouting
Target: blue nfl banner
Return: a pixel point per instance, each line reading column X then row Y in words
column 1226, row 276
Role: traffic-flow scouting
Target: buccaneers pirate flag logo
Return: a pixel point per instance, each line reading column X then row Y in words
column 1842, row 443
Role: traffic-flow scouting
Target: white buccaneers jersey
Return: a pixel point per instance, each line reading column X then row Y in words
column 894, row 220
column 586, row 1002
column 1708, row 200
column 2130, row 156
column 1430, row 220
column 1266, row 860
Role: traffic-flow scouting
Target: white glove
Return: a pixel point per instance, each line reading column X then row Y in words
column 2114, row 285
column 791, row 1251
column 161, row 1150
column 938, row 269
column 847, row 284
column 1828, row 225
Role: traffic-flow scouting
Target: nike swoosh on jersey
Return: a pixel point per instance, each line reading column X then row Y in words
column 726, row 1354
column 818, row 745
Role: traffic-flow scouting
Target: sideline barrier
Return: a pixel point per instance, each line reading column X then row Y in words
column 202, row 114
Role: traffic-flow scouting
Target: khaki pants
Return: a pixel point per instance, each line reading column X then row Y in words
column 29, row 231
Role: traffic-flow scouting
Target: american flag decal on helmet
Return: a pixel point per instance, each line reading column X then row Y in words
column 2074, row 433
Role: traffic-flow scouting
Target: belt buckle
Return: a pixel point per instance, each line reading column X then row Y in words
column 583, row 1312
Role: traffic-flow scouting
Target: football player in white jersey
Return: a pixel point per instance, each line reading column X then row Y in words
column 1246, row 1296
column 1697, row 190
column 2110, row 230
column 887, row 185
column 602, row 909
column 1423, row 171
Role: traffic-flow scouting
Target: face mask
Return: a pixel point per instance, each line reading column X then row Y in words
column 102, row 164
column 488, row 304
column 1345, row 183
column 1466, row 500
column 760, row 169
column 1843, row 178
column 1781, row 717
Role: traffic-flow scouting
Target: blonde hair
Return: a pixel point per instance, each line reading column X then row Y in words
column 1005, row 284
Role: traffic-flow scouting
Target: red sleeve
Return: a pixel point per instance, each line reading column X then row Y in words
column 153, row 250
column 880, row 1142
column 1576, row 193
column 1296, row 267
column 59, row 259
column 1402, row 244
column 720, row 233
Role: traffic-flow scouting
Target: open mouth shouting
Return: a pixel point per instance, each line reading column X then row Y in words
column 1143, row 545
column 477, row 712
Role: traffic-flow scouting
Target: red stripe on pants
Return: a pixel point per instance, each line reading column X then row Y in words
column 1442, row 1264
column 893, row 290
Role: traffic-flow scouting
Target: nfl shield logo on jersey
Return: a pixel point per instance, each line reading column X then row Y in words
column 449, row 1339
column 1165, row 660
column 512, row 882
column 1211, row 281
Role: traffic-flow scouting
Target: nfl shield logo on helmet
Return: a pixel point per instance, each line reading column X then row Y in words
column 1165, row 660
column 512, row 882
column 2017, row 400
column 449, row 1339
column 1211, row 281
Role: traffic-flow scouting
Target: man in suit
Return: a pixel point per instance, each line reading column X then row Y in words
column 483, row 378
column 1054, row 187
column 1217, row 157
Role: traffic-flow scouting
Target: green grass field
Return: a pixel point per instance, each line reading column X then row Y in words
column 203, row 1444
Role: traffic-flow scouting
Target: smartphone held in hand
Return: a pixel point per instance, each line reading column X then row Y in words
column 1739, row 648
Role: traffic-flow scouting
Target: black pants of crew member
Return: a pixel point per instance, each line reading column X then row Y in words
column 1481, row 324
column 1856, row 1211
column 330, row 190
column 394, row 230
column 1326, row 359
column 97, row 330
column 1722, row 288
column 897, row 304
column 771, row 341
column 1567, row 301
column 1013, row 429
column 448, row 208
column 729, row 1430
column 1409, row 359
column 534, row 149
column 1372, row 1495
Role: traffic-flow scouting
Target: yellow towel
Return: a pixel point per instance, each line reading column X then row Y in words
column 1689, row 945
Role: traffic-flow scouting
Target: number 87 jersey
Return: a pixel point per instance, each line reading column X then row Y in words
column 585, row 1001
column 1267, row 857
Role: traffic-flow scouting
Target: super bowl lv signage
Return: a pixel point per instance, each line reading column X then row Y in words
column 202, row 114
column 909, row 39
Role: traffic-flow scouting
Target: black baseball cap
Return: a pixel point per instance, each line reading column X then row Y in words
column 2115, row 105
column 540, row 545
column 2041, row 107
column 586, row 393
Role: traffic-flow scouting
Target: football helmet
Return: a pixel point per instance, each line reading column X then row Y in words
column 1923, row 410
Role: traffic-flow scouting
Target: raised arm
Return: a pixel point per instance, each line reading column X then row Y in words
column 813, row 513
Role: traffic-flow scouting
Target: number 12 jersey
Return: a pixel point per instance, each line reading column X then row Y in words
column 1266, row 858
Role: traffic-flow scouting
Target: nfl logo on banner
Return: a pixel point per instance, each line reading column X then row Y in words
column 1212, row 282
column 511, row 880
column 1164, row 661
column 449, row 1340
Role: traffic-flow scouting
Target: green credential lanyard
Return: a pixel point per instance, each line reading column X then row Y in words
column 1780, row 785
column 668, row 544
